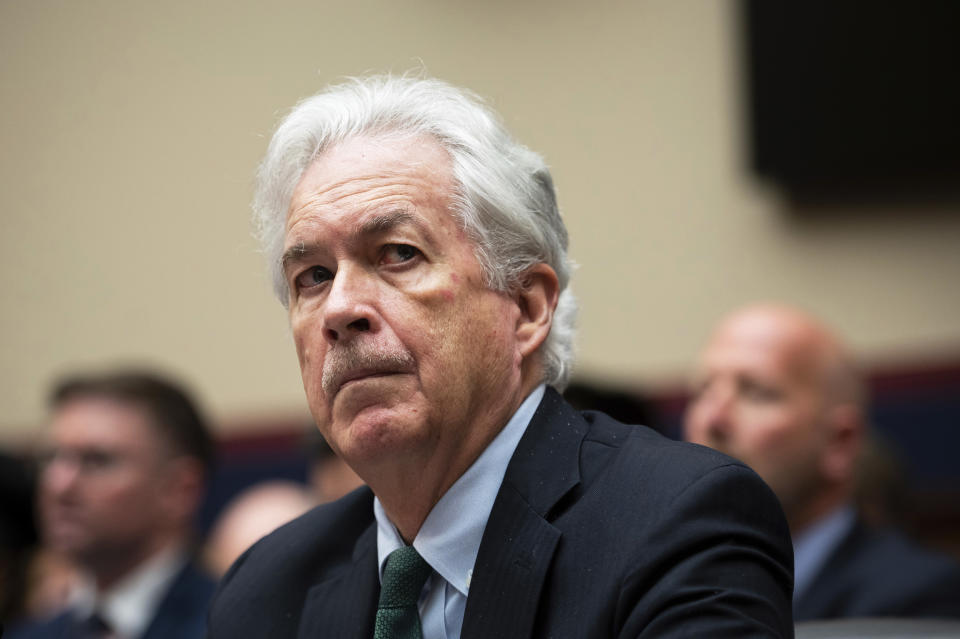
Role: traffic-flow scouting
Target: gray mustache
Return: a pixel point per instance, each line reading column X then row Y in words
column 344, row 361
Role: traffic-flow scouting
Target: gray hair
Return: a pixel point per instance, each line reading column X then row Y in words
column 504, row 195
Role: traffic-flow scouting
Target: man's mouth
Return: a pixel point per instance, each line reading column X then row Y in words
column 63, row 522
column 359, row 376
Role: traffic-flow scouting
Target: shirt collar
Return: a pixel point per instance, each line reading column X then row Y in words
column 449, row 538
column 813, row 545
column 129, row 606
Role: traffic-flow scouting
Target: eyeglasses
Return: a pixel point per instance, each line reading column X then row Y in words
column 88, row 462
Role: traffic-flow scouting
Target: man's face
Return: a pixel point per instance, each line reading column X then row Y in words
column 101, row 491
column 404, row 351
column 759, row 398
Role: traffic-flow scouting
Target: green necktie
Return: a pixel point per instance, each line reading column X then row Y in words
column 403, row 579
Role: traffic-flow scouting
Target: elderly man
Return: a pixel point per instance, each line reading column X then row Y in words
column 775, row 389
column 128, row 457
column 422, row 258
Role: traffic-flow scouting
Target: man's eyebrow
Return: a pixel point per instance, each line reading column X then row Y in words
column 297, row 253
column 374, row 225
column 385, row 222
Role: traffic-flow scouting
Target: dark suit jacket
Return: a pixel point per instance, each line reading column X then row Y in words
column 877, row 573
column 181, row 614
column 598, row 530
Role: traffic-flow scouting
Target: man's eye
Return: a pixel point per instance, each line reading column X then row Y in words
column 760, row 392
column 398, row 253
column 313, row 276
column 97, row 460
column 85, row 461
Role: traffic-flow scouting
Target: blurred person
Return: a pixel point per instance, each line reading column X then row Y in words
column 881, row 492
column 50, row 580
column 250, row 515
column 328, row 476
column 128, row 456
column 423, row 261
column 775, row 389
column 18, row 535
column 34, row 580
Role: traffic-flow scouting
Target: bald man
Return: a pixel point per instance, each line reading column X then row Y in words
column 775, row 389
column 255, row 512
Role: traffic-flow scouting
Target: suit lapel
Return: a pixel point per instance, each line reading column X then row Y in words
column 345, row 605
column 507, row 580
column 181, row 613
column 519, row 542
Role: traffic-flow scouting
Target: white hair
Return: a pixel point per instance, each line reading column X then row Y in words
column 504, row 195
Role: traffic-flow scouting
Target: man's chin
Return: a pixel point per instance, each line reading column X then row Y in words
column 69, row 543
column 376, row 433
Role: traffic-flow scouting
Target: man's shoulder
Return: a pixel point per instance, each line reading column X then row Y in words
column 350, row 514
column 878, row 554
column 320, row 537
column 659, row 487
column 646, row 457
column 603, row 440
column 642, row 517
column 625, row 466
column 876, row 571
column 270, row 580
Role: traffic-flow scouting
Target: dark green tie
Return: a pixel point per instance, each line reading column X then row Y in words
column 403, row 579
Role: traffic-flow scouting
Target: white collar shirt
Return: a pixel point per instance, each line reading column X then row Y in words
column 449, row 538
column 130, row 605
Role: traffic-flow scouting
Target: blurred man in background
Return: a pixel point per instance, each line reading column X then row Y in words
column 18, row 535
column 262, row 507
column 775, row 389
column 253, row 513
column 328, row 476
column 128, row 456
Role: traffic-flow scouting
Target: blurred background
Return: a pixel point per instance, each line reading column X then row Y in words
column 688, row 178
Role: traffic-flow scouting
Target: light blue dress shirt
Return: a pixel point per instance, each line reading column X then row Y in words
column 449, row 538
column 813, row 546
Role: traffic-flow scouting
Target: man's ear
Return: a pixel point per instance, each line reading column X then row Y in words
column 537, row 299
column 845, row 441
column 183, row 487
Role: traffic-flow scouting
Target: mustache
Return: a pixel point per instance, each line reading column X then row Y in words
column 361, row 358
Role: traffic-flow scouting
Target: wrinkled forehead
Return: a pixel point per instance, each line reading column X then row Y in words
column 360, row 161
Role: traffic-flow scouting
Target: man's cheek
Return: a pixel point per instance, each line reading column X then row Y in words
column 311, row 372
column 301, row 342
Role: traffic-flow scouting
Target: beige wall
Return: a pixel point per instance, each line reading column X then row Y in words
column 130, row 130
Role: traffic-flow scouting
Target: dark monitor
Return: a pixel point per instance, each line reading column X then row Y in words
column 854, row 99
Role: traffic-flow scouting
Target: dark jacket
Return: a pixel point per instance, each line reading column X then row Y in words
column 181, row 613
column 878, row 573
column 598, row 530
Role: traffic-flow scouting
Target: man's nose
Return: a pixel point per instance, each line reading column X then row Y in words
column 350, row 307
column 60, row 475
